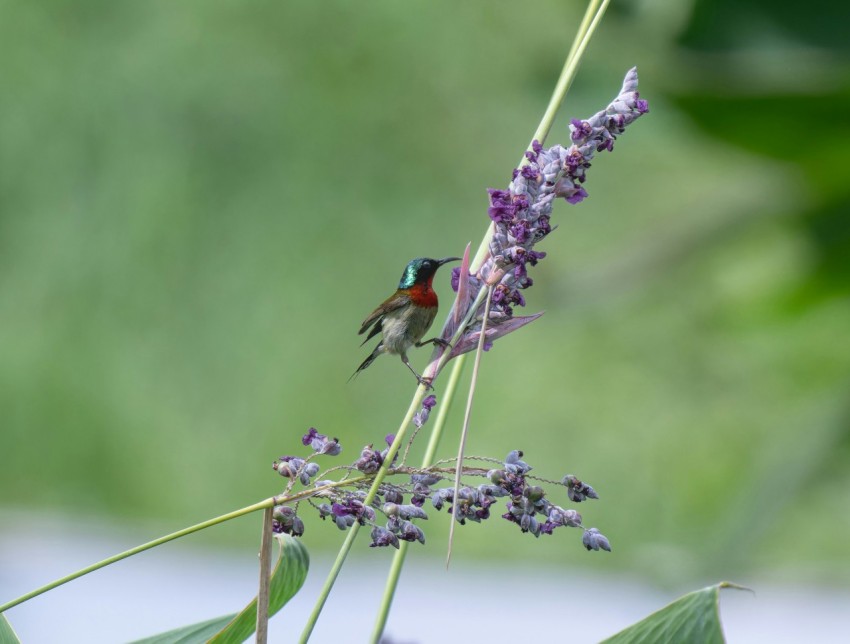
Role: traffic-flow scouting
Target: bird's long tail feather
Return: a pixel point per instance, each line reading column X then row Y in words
column 369, row 360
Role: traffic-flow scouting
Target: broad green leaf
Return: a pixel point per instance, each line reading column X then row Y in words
column 693, row 618
column 7, row 633
column 287, row 578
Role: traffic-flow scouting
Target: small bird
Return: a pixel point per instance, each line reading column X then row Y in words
column 405, row 316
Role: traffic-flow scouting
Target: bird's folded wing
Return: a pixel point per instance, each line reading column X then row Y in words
column 392, row 303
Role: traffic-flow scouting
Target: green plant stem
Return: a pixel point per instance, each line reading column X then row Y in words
column 482, row 338
column 134, row 551
column 427, row 459
column 329, row 582
column 352, row 532
column 262, row 505
column 262, row 629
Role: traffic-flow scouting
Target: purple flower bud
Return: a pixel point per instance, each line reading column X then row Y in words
column 580, row 130
column 330, row 448
column 426, row 479
column 393, row 496
column 514, row 465
column 343, row 522
column 310, row 435
column 530, row 172
column 533, row 493
column 595, row 540
column 390, row 509
column 382, row 537
column 411, row 512
column 577, row 490
column 407, row 531
column 421, row 417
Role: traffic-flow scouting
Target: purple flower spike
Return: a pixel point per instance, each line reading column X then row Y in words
column 522, row 213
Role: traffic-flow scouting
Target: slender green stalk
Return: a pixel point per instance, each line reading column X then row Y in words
column 427, row 459
column 592, row 6
column 329, row 582
column 265, row 576
column 352, row 532
column 262, row 505
column 465, row 429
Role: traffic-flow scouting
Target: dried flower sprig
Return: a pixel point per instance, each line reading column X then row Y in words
column 521, row 216
column 393, row 520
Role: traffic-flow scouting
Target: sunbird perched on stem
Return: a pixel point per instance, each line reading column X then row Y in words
column 405, row 316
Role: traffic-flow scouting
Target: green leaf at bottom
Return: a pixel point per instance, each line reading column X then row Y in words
column 7, row 634
column 694, row 619
column 287, row 578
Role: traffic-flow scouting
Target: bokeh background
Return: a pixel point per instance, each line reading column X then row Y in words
column 199, row 203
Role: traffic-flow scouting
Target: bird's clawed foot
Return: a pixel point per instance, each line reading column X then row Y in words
column 438, row 341
column 425, row 382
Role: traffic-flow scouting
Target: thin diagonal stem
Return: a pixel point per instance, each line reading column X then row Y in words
column 427, row 459
column 262, row 505
column 465, row 430
column 134, row 551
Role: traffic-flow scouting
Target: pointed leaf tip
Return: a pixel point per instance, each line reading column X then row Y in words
column 462, row 300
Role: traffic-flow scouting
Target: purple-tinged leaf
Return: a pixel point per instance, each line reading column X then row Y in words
column 495, row 330
column 462, row 301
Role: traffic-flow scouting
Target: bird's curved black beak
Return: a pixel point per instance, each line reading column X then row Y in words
column 440, row 262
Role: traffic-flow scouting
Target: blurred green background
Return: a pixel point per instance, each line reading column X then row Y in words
column 200, row 202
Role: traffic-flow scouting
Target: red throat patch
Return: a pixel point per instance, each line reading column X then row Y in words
column 422, row 295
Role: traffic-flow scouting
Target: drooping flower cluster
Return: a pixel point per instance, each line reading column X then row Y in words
column 521, row 214
column 392, row 519
column 528, row 506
